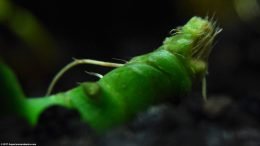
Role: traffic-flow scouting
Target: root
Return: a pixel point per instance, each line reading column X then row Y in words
column 204, row 88
column 75, row 63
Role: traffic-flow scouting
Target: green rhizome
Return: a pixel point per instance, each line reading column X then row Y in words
column 145, row 80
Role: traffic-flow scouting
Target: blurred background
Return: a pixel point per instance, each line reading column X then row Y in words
column 38, row 38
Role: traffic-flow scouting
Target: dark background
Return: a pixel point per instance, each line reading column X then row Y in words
column 122, row 29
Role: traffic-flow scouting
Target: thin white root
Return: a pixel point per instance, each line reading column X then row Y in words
column 78, row 62
column 95, row 74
